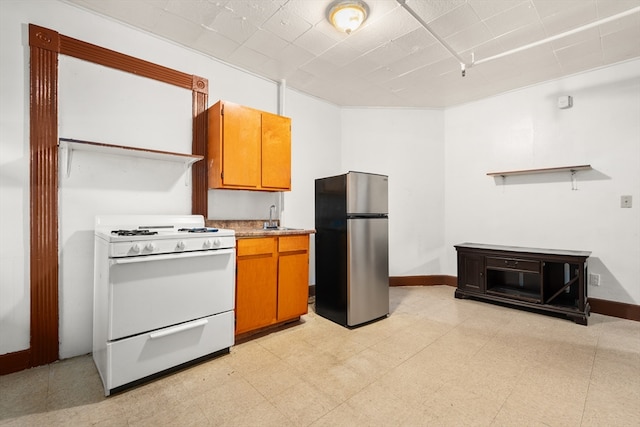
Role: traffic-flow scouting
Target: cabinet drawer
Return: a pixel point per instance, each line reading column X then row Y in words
column 256, row 246
column 513, row 264
column 293, row 243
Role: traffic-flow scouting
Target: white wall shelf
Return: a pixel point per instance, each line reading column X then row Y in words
column 570, row 169
column 69, row 145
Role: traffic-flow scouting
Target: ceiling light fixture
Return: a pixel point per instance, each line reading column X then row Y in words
column 347, row 15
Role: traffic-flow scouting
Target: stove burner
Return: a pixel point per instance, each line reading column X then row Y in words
column 199, row 230
column 134, row 232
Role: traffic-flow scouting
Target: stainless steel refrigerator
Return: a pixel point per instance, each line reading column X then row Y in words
column 351, row 242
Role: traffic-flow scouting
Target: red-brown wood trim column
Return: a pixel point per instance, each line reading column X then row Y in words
column 45, row 45
column 199, row 181
column 43, row 141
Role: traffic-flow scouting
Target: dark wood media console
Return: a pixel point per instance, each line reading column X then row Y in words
column 547, row 280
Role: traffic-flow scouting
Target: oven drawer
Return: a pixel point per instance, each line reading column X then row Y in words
column 138, row 357
column 153, row 292
column 513, row 264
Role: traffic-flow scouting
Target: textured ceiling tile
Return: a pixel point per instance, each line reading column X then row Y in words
column 522, row 36
column 292, row 57
column 612, row 7
column 315, row 41
column 340, row 56
column 215, row 44
column 416, row 40
column 248, row 58
column 488, row 8
column 470, row 37
column 567, row 19
column 233, row 26
column 176, row 28
column 429, row 10
column 631, row 22
column 520, row 16
column 548, row 8
column 286, row 25
column 266, row 42
column 386, row 54
column 577, row 53
column 617, row 48
column 452, row 22
column 419, row 59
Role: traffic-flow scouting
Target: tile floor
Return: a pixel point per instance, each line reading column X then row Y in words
column 436, row 361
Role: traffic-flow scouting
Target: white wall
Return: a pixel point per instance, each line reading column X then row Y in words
column 408, row 146
column 525, row 129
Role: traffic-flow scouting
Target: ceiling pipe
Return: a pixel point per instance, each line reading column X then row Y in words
column 561, row 35
column 464, row 65
column 281, row 94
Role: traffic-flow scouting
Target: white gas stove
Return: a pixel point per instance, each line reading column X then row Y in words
column 164, row 288
column 137, row 235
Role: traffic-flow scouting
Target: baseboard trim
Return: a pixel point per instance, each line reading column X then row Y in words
column 14, row 362
column 431, row 280
column 621, row 310
column 608, row 308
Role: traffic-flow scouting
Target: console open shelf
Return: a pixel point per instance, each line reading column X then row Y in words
column 547, row 280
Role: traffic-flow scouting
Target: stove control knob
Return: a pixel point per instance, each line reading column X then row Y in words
column 181, row 245
column 150, row 246
column 207, row 243
column 216, row 242
column 135, row 248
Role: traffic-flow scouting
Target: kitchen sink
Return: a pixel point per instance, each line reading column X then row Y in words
column 280, row 229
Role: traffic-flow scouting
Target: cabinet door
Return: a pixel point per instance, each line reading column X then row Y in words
column 276, row 152
column 256, row 286
column 471, row 273
column 293, row 276
column 241, row 146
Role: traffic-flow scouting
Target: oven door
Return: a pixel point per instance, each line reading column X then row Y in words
column 156, row 291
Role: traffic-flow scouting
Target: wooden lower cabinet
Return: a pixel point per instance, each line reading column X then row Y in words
column 256, row 283
column 272, row 281
column 293, row 277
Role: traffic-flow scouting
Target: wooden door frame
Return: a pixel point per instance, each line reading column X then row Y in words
column 45, row 46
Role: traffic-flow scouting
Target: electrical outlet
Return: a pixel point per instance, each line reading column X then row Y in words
column 625, row 201
column 594, row 279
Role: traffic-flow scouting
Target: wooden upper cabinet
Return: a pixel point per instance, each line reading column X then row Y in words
column 276, row 151
column 249, row 149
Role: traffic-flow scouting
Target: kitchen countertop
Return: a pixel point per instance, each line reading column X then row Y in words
column 254, row 228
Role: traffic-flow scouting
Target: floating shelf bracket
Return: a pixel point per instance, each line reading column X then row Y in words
column 68, row 146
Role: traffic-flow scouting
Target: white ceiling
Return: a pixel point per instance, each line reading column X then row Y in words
column 392, row 60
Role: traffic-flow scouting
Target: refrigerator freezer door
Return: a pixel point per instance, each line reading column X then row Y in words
column 367, row 193
column 368, row 270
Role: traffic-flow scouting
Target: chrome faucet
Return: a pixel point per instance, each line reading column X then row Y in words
column 272, row 209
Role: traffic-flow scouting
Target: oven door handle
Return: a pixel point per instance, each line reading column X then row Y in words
column 178, row 329
column 163, row 257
